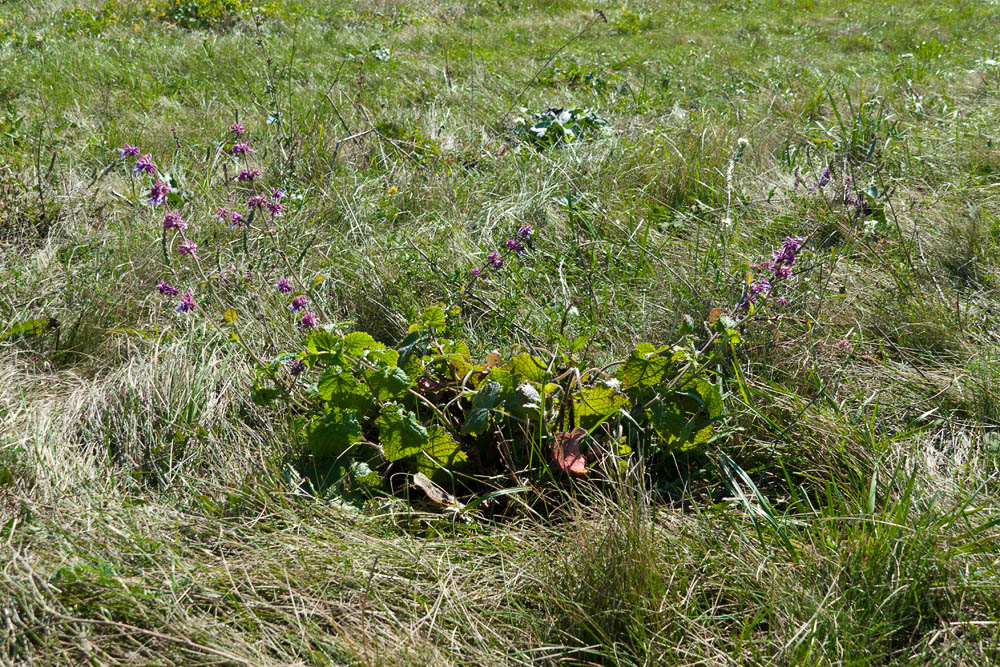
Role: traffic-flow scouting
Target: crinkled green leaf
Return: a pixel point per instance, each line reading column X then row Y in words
column 684, row 418
column 323, row 341
column 503, row 377
column 400, row 434
column 526, row 367
column 357, row 342
column 644, row 368
column 600, row 401
column 478, row 419
column 331, row 435
column 342, row 390
column 441, row 451
column 389, row 384
column 388, row 356
column 431, row 318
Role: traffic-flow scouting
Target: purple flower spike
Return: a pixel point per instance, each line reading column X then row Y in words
column 173, row 220
column 309, row 320
column 526, row 231
column 158, row 193
column 495, row 260
column 823, row 180
column 186, row 248
column 128, row 150
column 257, row 201
column 284, row 286
column 145, row 165
column 514, row 246
column 762, row 287
column 248, row 174
column 274, row 207
column 187, row 302
column 782, row 271
column 237, row 129
column 476, row 273
column 296, row 367
column 278, row 193
column 298, row 303
column 241, row 148
column 236, row 220
column 167, row 290
column 792, row 245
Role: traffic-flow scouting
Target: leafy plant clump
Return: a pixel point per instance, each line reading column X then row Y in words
column 427, row 408
column 555, row 127
column 425, row 411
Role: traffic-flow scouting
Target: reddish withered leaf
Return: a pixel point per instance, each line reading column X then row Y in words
column 567, row 453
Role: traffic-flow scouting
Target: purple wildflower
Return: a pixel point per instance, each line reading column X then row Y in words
column 526, row 231
column 296, row 367
column 187, row 302
column 278, row 193
column 823, row 180
column 309, row 320
column 284, row 286
column 781, row 271
column 248, row 174
column 167, row 290
column 298, row 303
column 514, row 246
column 145, row 165
column 237, row 129
column 257, row 201
column 236, row 220
column 173, row 220
column 495, row 260
column 476, row 272
column 221, row 214
column 185, row 248
column 274, row 207
column 788, row 252
column 128, row 150
column 761, row 287
column 158, row 193
column 241, row 148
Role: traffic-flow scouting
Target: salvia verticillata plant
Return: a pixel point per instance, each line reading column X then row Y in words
column 374, row 410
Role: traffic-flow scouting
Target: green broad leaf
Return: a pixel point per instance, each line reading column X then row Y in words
column 389, row 357
column 526, row 367
column 342, row 390
column 363, row 478
column 389, row 384
column 400, row 434
column 332, row 434
column 600, row 401
column 431, row 318
column 461, row 365
column 357, row 342
column 503, row 377
column 410, row 347
column 323, row 341
column 684, row 418
column 454, row 347
column 441, row 451
column 644, row 368
column 478, row 419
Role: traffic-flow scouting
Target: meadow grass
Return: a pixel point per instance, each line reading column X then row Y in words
column 152, row 513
